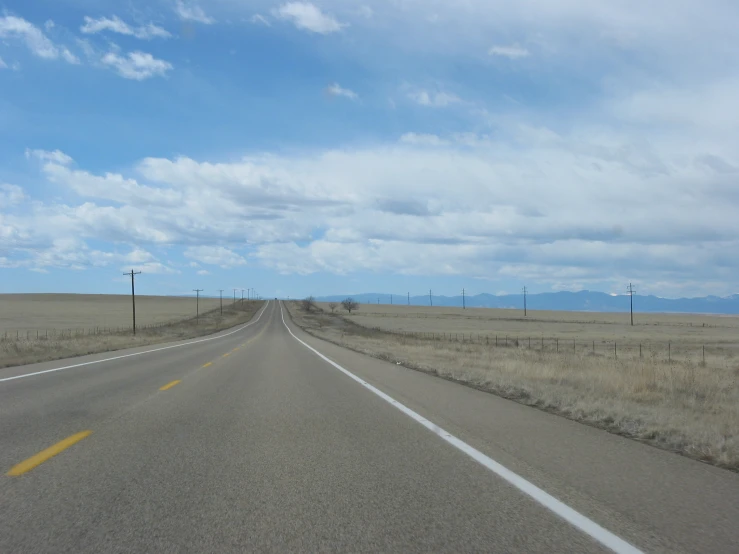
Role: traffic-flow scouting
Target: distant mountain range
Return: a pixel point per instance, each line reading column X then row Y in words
column 587, row 301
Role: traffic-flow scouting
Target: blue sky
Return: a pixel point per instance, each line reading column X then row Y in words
column 340, row 147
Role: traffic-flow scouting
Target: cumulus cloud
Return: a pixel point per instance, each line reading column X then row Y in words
column 137, row 65
column 57, row 156
column 309, row 17
column 36, row 41
column 513, row 52
column 192, row 12
column 336, row 90
column 10, row 195
column 116, row 25
column 215, row 255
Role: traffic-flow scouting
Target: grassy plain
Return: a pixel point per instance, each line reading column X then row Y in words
column 682, row 405
column 64, row 311
column 89, row 324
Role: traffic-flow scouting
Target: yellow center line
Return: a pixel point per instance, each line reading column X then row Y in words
column 170, row 385
column 44, row 455
column 208, row 364
column 227, row 354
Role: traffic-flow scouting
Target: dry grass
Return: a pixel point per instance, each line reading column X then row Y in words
column 19, row 352
column 688, row 408
column 64, row 311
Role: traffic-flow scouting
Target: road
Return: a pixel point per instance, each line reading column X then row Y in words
column 265, row 439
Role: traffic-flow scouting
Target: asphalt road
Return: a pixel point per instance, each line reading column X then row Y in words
column 258, row 443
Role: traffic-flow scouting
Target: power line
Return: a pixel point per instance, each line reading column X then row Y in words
column 133, row 297
column 197, row 305
column 631, row 291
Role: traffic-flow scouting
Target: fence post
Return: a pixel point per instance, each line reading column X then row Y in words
column 669, row 352
column 640, row 351
column 704, row 354
column 593, row 347
column 557, row 344
column 615, row 353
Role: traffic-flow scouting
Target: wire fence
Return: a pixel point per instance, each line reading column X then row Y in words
column 668, row 351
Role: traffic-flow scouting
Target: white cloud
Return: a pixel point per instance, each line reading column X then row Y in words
column 434, row 100
column 137, row 65
column 423, row 139
column 366, row 12
column 49, row 25
column 336, row 90
column 3, row 65
column 36, row 41
column 260, row 20
column 57, row 156
column 215, row 255
column 203, row 272
column 10, row 195
column 69, row 57
column 307, row 16
column 192, row 12
column 513, row 52
column 117, row 25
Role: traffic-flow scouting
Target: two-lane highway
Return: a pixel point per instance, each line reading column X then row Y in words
column 266, row 439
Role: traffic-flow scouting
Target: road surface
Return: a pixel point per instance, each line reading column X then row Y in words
column 253, row 441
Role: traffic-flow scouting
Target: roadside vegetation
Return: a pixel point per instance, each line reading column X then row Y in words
column 691, row 408
column 23, row 350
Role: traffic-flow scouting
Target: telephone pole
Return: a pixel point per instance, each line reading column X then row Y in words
column 524, row 301
column 221, row 291
column 133, row 297
column 242, row 296
column 464, row 304
column 431, row 300
column 235, row 295
column 409, row 298
column 197, row 305
column 631, row 301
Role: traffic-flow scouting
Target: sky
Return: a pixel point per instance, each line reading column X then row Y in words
column 387, row 146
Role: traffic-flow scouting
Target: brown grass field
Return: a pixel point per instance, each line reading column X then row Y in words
column 74, row 311
column 683, row 405
column 36, row 328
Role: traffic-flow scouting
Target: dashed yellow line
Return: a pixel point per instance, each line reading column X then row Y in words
column 226, row 355
column 41, row 457
column 208, row 364
column 170, row 385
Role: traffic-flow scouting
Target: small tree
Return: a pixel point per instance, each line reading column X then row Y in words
column 349, row 304
column 308, row 304
column 333, row 306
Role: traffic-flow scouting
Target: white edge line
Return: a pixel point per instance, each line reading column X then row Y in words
column 581, row 522
column 137, row 353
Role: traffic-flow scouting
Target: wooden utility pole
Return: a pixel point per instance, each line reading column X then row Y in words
column 431, row 300
column 133, row 297
column 524, row 301
column 235, row 295
column 221, row 291
column 631, row 301
column 197, row 305
column 409, row 298
column 242, row 296
column 464, row 305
